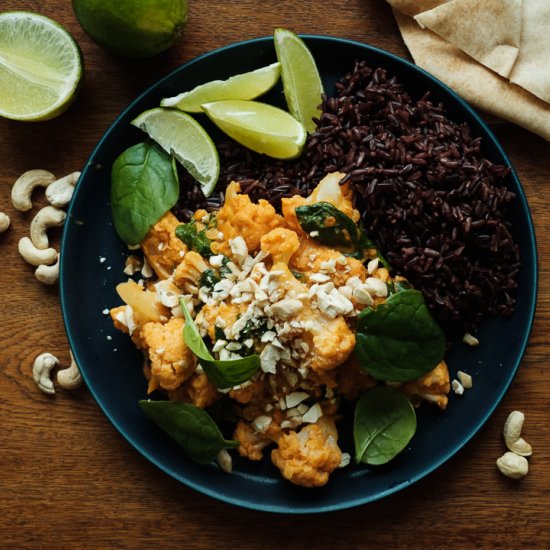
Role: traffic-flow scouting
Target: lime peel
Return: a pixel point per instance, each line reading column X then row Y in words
column 183, row 137
column 248, row 85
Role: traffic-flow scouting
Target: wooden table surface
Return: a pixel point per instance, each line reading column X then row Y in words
column 68, row 479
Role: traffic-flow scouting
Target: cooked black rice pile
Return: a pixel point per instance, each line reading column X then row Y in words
column 430, row 200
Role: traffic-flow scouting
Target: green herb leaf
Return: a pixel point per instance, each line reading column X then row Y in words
column 144, row 186
column 209, row 278
column 194, row 239
column 399, row 340
column 332, row 227
column 190, row 427
column 329, row 225
column 223, row 374
column 384, row 424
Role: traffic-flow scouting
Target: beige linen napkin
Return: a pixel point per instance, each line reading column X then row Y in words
column 519, row 59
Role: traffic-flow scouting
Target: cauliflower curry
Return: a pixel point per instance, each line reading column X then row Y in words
column 264, row 285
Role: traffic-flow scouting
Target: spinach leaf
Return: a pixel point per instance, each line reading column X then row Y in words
column 329, row 225
column 144, row 186
column 190, row 427
column 194, row 239
column 399, row 340
column 224, row 269
column 332, row 227
column 384, row 424
column 223, row 374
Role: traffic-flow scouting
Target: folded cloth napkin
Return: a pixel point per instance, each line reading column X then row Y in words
column 490, row 52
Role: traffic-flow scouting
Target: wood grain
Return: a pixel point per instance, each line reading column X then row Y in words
column 69, row 480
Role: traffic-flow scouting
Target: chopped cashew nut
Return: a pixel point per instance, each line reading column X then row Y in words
column 4, row 222
column 60, row 192
column 22, row 189
column 48, row 274
column 41, row 370
column 465, row 379
column 49, row 216
column 512, row 434
column 513, row 465
column 70, row 377
column 225, row 461
column 36, row 256
column 470, row 339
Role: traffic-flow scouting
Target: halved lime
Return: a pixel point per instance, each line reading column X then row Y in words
column 40, row 67
column 301, row 81
column 261, row 127
column 242, row 86
column 182, row 136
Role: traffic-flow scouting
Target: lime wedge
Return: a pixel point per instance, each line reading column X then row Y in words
column 182, row 136
column 242, row 86
column 40, row 67
column 301, row 81
column 259, row 126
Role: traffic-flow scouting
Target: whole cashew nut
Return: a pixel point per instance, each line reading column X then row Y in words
column 512, row 434
column 36, row 256
column 49, row 216
column 70, row 378
column 60, row 192
column 513, row 465
column 4, row 222
column 41, row 370
column 22, row 189
column 48, row 274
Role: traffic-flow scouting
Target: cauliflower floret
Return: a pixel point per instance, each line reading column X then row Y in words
column 197, row 390
column 172, row 362
column 309, row 456
column 281, row 244
column 161, row 246
column 432, row 387
column 188, row 273
column 239, row 216
column 251, row 444
column 330, row 340
column 328, row 190
column 312, row 258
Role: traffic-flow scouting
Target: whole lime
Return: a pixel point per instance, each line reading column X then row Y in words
column 136, row 29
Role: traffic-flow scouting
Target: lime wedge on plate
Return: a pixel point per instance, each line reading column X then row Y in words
column 259, row 126
column 301, row 81
column 242, row 86
column 40, row 67
column 182, row 136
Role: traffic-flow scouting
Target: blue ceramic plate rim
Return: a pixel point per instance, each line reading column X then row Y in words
column 247, row 501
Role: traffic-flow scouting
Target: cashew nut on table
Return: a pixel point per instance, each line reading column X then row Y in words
column 512, row 434
column 21, row 192
column 513, row 463
column 36, row 250
column 68, row 378
column 4, row 222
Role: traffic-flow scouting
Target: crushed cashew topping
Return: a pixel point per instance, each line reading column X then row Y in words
column 263, row 286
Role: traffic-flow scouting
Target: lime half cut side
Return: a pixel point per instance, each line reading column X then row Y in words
column 182, row 136
column 261, row 127
column 301, row 80
column 40, row 67
column 242, row 86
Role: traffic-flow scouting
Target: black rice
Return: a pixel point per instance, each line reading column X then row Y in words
column 429, row 199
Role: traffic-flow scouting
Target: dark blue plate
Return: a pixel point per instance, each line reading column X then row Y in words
column 112, row 368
